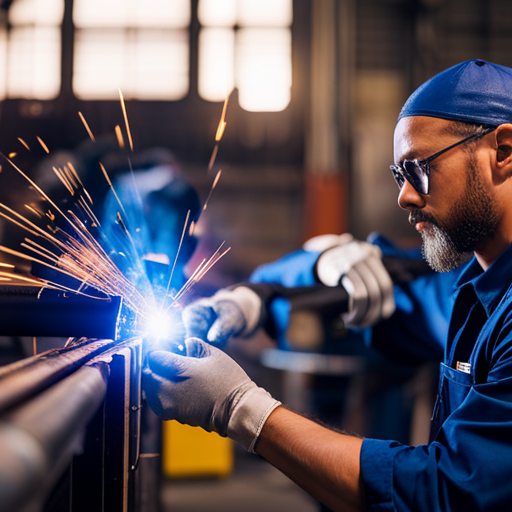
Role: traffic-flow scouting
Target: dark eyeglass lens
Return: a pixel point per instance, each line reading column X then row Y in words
column 398, row 176
column 417, row 176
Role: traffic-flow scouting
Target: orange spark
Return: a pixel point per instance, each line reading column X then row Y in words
column 213, row 157
column 222, row 122
column 86, row 126
column 220, row 131
column 215, row 181
column 123, row 106
column 199, row 273
column 70, row 177
column 105, row 173
column 12, row 155
column 24, row 143
column 20, row 278
column 63, row 179
column 43, row 145
column 119, row 135
column 176, row 258
column 33, row 210
column 75, row 174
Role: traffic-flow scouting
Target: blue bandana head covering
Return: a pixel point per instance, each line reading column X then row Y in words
column 474, row 91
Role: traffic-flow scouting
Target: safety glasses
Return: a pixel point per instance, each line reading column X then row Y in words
column 417, row 172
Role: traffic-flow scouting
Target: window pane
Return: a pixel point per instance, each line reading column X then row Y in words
column 145, row 64
column 217, row 13
column 100, row 13
column 97, row 73
column 131, row 13
column 160, row 66
column 3, row 62
column 265, row 13
column 216, row 62
column 160, row 13
column 34, row 62
column 263, row 68
column 37, row 12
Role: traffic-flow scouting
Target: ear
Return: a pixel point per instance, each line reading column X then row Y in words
column 503, row 136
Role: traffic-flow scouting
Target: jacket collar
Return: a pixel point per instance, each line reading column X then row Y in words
column 491, row 285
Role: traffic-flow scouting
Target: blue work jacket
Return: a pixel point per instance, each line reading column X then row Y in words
column 467, row 464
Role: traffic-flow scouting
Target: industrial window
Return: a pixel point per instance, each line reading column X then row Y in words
column 140, row 47
column 246, row 44
column 30, row 51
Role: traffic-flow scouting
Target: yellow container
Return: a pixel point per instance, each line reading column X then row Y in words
column 191, row 452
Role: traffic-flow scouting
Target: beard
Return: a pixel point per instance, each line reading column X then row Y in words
column 470, row 221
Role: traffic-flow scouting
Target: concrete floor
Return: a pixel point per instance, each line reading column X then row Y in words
column 254, row 486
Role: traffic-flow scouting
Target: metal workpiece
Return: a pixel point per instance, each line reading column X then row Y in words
column 36, row 311
column 39, row 438
column 106, row 475
column 21, row 381
column 70, row 429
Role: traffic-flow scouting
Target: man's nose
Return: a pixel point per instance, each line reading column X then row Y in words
column 409, row 198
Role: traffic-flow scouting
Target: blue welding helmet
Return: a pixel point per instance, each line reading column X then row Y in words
column 166, row 211
column 474, row 91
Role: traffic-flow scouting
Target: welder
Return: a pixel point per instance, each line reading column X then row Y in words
column 453, row 167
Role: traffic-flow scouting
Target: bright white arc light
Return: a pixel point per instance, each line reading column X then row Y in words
column 158, row 326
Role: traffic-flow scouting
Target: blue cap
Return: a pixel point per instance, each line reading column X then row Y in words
column 475, row 91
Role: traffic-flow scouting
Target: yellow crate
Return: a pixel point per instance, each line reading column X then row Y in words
column 191, row 452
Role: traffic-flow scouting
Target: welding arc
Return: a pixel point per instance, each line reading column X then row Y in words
column 76, row 253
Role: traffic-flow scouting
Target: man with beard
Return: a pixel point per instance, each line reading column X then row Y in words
column 453, row 167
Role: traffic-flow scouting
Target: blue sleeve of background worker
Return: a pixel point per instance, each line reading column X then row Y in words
column 292, row 270
column 417, row 330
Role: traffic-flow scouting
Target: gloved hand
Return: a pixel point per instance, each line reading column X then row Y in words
column 207, row 389
column 228, row 313
column 358, row 267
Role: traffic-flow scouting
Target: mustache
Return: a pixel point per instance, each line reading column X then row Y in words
column 420, row 216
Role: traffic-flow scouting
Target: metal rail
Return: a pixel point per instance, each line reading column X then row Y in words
column 70, row 429
column 39, row 438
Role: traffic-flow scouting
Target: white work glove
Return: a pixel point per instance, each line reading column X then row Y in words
column 358, row 267
column 228, row 313
column 323, row 242
column 207, row 389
